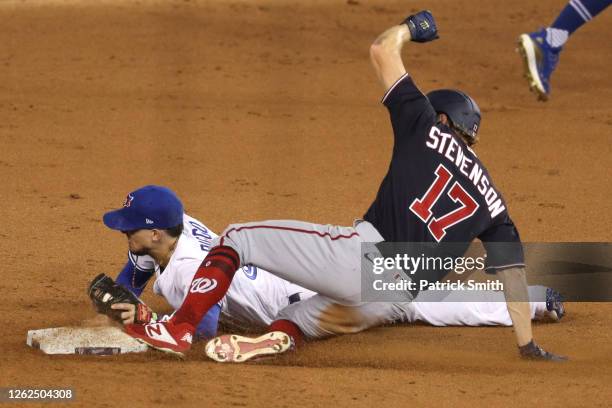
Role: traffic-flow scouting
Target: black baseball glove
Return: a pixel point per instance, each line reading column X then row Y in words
column 422, row 26
column 105, row 292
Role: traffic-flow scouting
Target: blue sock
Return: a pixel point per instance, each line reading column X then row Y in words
column 578, row 12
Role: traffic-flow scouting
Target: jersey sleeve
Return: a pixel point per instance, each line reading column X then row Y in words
column 503, row 245
column 409, row 109
column 136, row 273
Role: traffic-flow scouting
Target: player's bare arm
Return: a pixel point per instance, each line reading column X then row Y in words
column 515, row 291
column 517, row 300
column 385, row 52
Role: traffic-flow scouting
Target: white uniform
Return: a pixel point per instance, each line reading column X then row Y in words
column 256, row 297
column 320, row 317
column 489, row 310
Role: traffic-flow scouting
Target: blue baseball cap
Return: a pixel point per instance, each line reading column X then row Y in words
column 149, row 207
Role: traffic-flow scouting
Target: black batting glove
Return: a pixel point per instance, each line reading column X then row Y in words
column 422, row 26
column 532, row 351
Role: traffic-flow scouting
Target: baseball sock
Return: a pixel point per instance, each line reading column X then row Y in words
column 572, row 17
column 209, row 285
column 287, row 326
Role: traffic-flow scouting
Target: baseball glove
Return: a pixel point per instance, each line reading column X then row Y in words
column 105, row 292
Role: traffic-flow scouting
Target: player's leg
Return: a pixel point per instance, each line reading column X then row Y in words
column 255, row 299
column 325, row 259
column 540, row 49
column 322, row 258
column 462, row 309
column 320, row 317
column 575, row 14
column 314, row 318
column 224, row 348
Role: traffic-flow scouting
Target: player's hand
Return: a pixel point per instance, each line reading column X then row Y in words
column 131, row 313
column 532, row 351
column 422, row 26
column 128, row 312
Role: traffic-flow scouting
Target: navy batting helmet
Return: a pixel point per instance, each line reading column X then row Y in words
column 462, row 110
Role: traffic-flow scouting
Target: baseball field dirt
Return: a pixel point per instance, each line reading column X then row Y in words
column 269, row 109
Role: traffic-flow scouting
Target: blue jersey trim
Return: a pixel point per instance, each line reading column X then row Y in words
column 133, row 278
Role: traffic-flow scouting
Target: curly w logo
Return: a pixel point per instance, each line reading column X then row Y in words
column 202, row 285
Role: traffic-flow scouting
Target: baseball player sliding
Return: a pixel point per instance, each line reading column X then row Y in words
column 436, row 190
column 255, row 297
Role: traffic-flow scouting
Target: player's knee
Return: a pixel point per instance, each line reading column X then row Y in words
column 341, row 319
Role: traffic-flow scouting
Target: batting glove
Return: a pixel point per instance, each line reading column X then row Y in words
column 422, row 26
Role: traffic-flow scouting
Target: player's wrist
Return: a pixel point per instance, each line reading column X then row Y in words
column 403, row 32
column 144, row 314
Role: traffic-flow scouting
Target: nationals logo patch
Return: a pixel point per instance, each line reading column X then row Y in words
column 202, row 285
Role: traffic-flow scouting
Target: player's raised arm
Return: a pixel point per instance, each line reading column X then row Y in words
column 385, row 52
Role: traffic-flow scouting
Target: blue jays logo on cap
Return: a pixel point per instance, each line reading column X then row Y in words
column 128, row 200
column 149, row 207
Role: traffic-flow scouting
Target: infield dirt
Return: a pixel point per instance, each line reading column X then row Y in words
column 270, row 109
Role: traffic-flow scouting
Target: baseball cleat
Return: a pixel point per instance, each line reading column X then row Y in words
column 232, row 348
column 539, row 60
column 554, row 304
column 163, row 336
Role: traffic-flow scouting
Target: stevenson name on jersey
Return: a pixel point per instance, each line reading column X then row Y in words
column 448, row 147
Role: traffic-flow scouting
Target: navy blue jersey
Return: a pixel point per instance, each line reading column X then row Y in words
column 436, row 188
